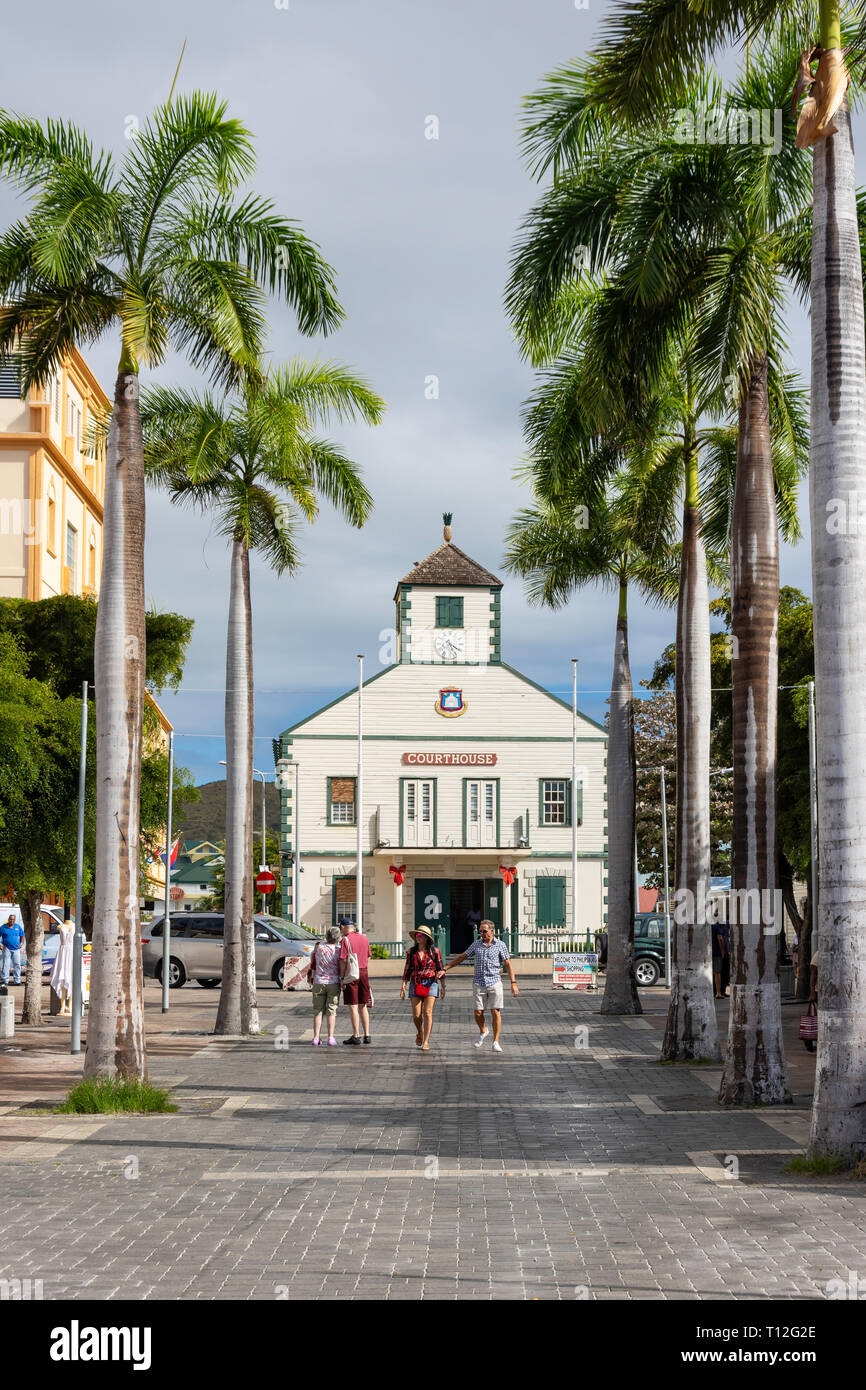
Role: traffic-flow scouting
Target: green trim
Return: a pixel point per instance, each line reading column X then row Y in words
column 405, row 624
column 342, row 824
column 496, row 627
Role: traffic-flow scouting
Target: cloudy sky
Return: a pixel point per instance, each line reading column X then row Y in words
column 338, row 94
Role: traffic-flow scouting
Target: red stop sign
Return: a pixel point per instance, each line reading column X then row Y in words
column 265, row 881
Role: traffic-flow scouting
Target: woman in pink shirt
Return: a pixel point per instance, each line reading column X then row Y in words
column 325, row 970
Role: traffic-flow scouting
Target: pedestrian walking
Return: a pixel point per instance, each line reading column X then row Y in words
column 11, row 938
column 489, row 955
column 325, row 972
column 354, row 960
column 423, row 972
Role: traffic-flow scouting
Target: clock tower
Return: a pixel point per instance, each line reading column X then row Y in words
column 449, row 610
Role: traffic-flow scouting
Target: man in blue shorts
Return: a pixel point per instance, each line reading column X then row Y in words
column 489, row 955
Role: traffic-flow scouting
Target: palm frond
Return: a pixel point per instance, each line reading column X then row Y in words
column 275, row 251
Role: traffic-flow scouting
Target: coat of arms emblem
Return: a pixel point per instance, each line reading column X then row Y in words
column 450, row 702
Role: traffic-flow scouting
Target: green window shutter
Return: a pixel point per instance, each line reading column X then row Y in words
column 550, row 901
column 542, row 902
column 557, row 893
column 579, row 803
column 449, row 611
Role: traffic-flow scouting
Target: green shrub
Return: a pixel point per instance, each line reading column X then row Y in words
column 105, row 1095
column 378, row 951
column 818, row 1165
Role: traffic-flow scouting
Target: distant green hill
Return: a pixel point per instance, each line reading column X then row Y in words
column 206, row 819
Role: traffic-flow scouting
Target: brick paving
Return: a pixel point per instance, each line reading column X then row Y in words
column 555, row 1170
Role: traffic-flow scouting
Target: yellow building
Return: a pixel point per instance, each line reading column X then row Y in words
column 51, row 491
column 51, row 496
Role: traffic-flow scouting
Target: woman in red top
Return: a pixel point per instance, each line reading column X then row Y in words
column 423, row 971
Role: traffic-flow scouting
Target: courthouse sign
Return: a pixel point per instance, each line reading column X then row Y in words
column 449, row 759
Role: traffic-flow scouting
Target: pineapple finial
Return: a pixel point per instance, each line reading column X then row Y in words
column 446, row 517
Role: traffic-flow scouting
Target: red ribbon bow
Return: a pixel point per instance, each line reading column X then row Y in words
column 508, row 874
column 399, row 872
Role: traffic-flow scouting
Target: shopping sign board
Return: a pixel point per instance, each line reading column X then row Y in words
column 575, row 970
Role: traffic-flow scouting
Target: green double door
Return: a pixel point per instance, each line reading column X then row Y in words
column 452, row 909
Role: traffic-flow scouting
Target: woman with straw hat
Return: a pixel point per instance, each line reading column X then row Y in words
column 423, row 971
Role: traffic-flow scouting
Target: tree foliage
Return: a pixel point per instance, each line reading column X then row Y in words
column 58, row 634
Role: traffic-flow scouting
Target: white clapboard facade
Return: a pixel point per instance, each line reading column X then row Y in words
column 467, row 771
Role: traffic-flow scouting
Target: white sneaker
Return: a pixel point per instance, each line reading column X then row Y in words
column 480, row 1042
column 497, row 1047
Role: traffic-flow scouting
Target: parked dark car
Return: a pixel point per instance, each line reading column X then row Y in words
column 649, row 948
column 197, row 947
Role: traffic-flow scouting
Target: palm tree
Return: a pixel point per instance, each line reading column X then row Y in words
column 748, row 212
column 706, row 235
column 158, row 251
column 650, row 49
column 607, row 513
column 254, row 460
column 637, row 351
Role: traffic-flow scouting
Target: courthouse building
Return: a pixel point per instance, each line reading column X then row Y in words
column 467, row 783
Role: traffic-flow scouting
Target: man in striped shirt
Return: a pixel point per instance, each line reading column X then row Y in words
column 489, row 955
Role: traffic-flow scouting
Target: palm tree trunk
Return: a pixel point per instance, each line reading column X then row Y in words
column 837, row 481
column 237, row 1011
column 691, row 1030
column 620, row 986
column 34, row 935
column 115, row 1032
column 755, row 1072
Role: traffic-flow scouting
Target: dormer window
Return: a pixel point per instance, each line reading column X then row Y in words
column 449, row 611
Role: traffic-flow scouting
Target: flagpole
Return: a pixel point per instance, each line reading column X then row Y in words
column 359, row 799
column 166, row 921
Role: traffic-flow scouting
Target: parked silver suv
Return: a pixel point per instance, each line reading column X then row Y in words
column 196, row 948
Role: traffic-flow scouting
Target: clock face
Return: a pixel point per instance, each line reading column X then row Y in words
column 449, row 645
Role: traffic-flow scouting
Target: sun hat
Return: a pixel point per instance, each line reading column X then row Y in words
column 425, row 930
